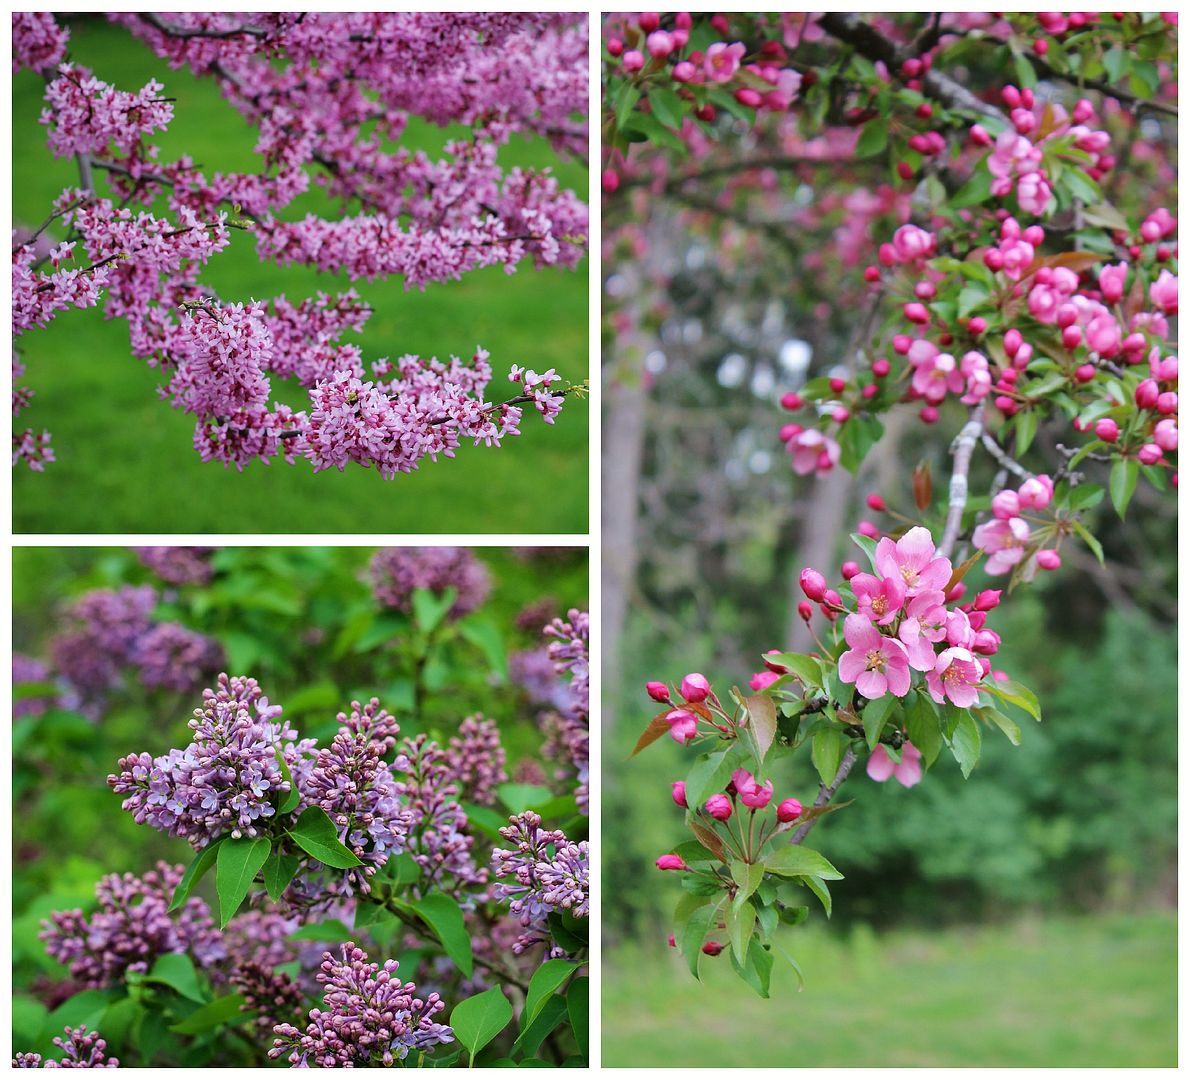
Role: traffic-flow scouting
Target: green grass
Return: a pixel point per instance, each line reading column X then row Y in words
column 125, row 460
column 1080, row 993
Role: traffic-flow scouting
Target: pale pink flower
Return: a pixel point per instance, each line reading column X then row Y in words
column 880, row 599
column 1112, row 280
column 1037, row 492
column 911, row 560
column 813, row 450
column 932, row 378
column 722, row 61
column 1164, row 292
column 923, row 625
column 907, row 771
column 955, row 677
column 683, row 725
column 1033, row 192
column 1103, row 335
column 875, row 663
column 1004, row 541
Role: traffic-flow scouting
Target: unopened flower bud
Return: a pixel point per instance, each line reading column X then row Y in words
column 695, row 687
column 658, row 691
column 679, row 792
column 671, row 862
column 788, row 810
column 1048, row 559
column 987, row 600
column 813, row 583
column 719, row 807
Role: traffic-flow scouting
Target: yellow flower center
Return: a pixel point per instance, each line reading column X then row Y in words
column 876, row 660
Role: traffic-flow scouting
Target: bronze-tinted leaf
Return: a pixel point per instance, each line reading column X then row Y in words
column 960, row 571
column 923, row 486
column 709, row 840
column 658, row 726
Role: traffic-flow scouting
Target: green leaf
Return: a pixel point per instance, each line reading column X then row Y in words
column 478, row 1020
column 757, row 968
column 1026, row 428
column 867, row 545
column 316, row 835
column 290, row 803
column 694, row 933
column 873, row 139
column 485, row 635
column 976, row 190
column 994, row 716
column 534, row 1033
column 521, row 797
column 546, row 979
column 1087, row 538
column 819, row 888
column 748, row 877
column 219, row 1012
column 922, row 727
column 279, row 871
column 804, row 667
column 176, row 970
column 762, row 722
column 826, row 751
column 876, row 714
column 1010, row 690
column 965, row 743
column 971, row 298
column 199, row 865
column 444, row 917
column 741, row 921
column 86, row 1007
column 1085, row 496
column 578, row 1005
column 430, row 608
column 710, row 773
column 235, row 869
column 793, row 860
column 1124, row 473
column 667, row 106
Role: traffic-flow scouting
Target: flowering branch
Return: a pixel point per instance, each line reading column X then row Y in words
column 961, row 449
column 825, row 793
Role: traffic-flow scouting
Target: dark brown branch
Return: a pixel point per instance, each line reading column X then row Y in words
column 1135, row 104
column 825, row 793
column 181, row 33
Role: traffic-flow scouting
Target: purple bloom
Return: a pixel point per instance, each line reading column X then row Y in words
column 81, row 1049
column 173, row 658
column 178, row 565
column 569, row 654
column 396, row 572
column 476, row 759
column 369, row 1019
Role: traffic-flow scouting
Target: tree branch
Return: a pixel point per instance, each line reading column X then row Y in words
column 825, row 793
column 1004, row 459
column 182, row 33
column 961, row 449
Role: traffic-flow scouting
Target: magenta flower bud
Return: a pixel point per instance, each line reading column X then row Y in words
column 672, row 942
column 683, row 725
column 813, row 583
column 712, row 948
column 791, row 401
column 1149, row 454
column 881, row 367
column 695, row 687
column 987, row 642
column 762, row 680
column 841, row 415
column 610, row 181
column 849, row 570
column 929, row 414
column 1012, row 342
column 1083, row 111
column 1048, row 559
column 805, row 610
column 830, row 598
column 679, row 792
column 684, row 71
column 1167, row 403
column 987, row 600
column 672, row 862
column 789, row 431
column 1005, row 505
column 788, row 810
column 866, row 528
column 1165, row 435
column 1036, row 492
column 633, row 60
column 780, row 669
column 719, row 807
column 1084, row 373
column 917, row 313
column 659, row 43
column 615, row 46
column 1147, row 394
column 957, row 593
column 1107, row 429
column 980, row 136
column 658, row 691
column 901, row 344
column 649, row 21
column 876, row 502
column 977, row 325
column 977, row 619
column 748, row 97
column 1166, row 370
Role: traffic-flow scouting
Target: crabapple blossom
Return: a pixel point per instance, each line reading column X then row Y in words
column 911, row 560
column 955, row 677
column 875, row 663
column 788, row 810
column 719, row 806
column 907, row 771
column 751, row 792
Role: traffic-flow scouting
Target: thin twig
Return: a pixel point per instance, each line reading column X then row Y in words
column 825, row 793
column 1004, row 458
column 961, row 450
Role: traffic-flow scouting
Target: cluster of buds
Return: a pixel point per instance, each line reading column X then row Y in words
column 1008, row 539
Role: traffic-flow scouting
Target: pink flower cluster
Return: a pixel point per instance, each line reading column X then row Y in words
column 86, row 115
column 1006, row 538
column 38, row 42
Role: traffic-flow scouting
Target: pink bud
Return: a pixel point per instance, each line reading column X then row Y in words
column 977, row 619
column 929, row 414
column 633, row 60
column 695, row 687
column 1048, row 559
column 610, row 181
column 987, row 642
column 683, row 71
column 1149, row 454
column 671, row 862
column 866, row 528
column 1107, row 429
column 916, row 313
column 649, row 21
column 977, row 325
column 1167, row 403
column 1012, row 342
column 1084, row 373
column 1036, row 493
column 979, row 135
column 719, row 807
column 780, row 669
column 1147, row 394
column 1165, row 435
column 659, row 43
column 791, row 401
column 957, row 593
column 679, row 792
column 789, row 431
column 712, row 948
column 837, row 385
column 987, row 600
column 850, row 569
column 1005, row 505
column 841, row 415
column 805, row 610
column 881, row 367
column 813, row 583
column 788, row 810
column 832, row 598
column 658, row 691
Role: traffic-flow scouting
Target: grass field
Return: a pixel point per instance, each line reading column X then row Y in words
column 125, row 461
column 1081, row 993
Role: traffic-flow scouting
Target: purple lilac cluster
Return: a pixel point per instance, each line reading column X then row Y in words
column 370, row 1018
column 396, row 572
column 110, row 632
column 548, row 873
column 131, row 928
column 81, row 1049
column 533, row 670
column 273, row 996
column 438, row 842
column 259, row 937
column 476, row 759
column 225, row 779
column 569, row 653
column 178, row 565
column 355, row 786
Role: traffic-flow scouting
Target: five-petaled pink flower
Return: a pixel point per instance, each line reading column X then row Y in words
column 955, row 677
column 924, row 623
column 813, row 450
column 911, row 560
column 683, row 725
column 1004, row 540
column 880, row 599
column 875, row 663
column 907, row 771
column 722, row 61
column 751, row 792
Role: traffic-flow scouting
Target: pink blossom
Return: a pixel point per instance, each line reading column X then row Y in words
column 1164, row 292
column 1112, row 280
column 752, row 793
column 658, row 691
column 719, row 807
column 1165, row 435
column 907, row 771
column 934, row 377
column 880, row 599
column 1034, row 194
column 1006, row 504
column 679, row 792
column 1037, row 492
column 788, row 810
column 671, row 862
column 683, row 725
column 923, row 625
column 875, row 663
column 762, row 680
column 813, row 450
column 911, row 560
column 695, row 687
column 911, row 242
column 1004, row 541
column 1103, row 335
column 955, row 677
column 722, row 61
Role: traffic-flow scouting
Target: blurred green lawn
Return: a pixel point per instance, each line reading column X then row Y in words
column 1076, row 993
column 125, row 460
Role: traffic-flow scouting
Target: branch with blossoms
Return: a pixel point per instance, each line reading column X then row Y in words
column 324, row 92
column 1007, row 295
